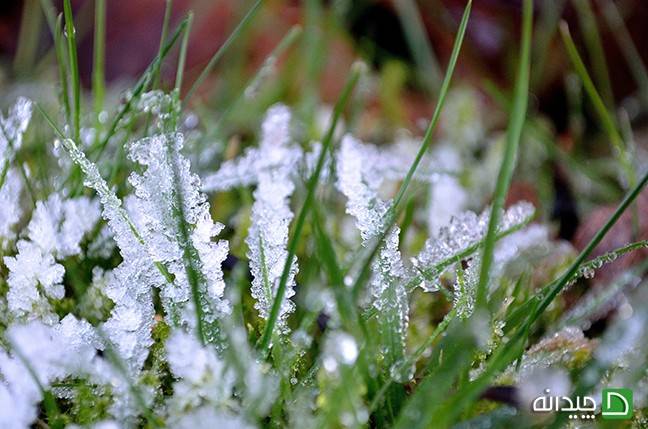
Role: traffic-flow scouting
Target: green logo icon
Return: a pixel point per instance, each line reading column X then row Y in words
column 616, row 404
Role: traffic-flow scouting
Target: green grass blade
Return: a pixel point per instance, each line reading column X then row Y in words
column 592, row 38
column 628, row 47
column 99, row 59
column 221, row 51
column 356, row 71
column 607, row 121
column 28, row 38
column 70, row 34
column 61, row 54
column 513, row 135
column 427, row 138
column 419, row 44
column 163, row 35
column 182, row 57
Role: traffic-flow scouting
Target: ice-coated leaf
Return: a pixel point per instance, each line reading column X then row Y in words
column 174, row 220
column 271, row 215
column 463, row 232
column 358, row 181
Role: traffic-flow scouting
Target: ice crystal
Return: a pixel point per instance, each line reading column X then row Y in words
column 463, row 232
column 358, row 182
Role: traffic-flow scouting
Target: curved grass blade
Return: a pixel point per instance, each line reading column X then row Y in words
column 607, row 121
column 513, row 134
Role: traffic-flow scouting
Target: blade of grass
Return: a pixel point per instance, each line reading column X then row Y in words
column 513, row 134
column 99, row 59
column 427, row 138
column 221, row 51
column 590, row 33
column 182, row 56
column 61, row 54
column 163, row 35
column 70, row 34
column 356, row 71
column 419, row 44
column 28, row 38
column 607, row 121
column 627, row 46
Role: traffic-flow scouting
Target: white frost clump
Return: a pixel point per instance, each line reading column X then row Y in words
column 54, row 233
column 59, row 225
column 463, row 232
column 202, row 376
column 30, row 270
column 52, row 353
column 359, row 183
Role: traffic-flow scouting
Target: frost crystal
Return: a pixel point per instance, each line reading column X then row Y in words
column 357, row 181
column 463, row 232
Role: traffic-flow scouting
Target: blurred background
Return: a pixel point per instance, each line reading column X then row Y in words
column 407, row 43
